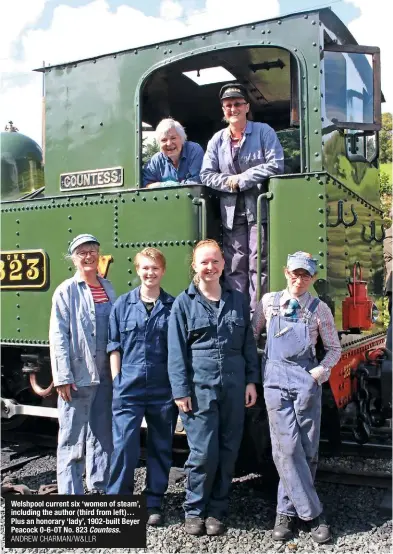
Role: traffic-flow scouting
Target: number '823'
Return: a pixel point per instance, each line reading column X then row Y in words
column 23, row 269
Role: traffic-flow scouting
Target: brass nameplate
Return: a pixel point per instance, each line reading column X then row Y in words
column 23, row 269
column 92, row 179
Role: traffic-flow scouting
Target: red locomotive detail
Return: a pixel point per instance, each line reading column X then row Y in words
column 357, row 307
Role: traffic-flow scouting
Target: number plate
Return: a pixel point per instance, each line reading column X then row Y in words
column 23, row 269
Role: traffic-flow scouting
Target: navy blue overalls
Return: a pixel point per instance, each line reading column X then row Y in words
column 85, row 423
column 293, row 401
column 141, row 390
column 212, row 356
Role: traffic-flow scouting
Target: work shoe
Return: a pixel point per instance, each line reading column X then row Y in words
column 194, row 526
column 214, row 526
column 155, row 517
column 283, row 527
column 319, row 529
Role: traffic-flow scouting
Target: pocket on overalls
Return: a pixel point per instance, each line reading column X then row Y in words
column 271, row 386
column 79, row 370
column 197, row 329
column 129, row 334
column 236, row 326
column 129, row 326
column 289, row 343
column 161, row 334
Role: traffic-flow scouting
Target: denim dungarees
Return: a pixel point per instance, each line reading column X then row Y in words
column 86, row 423
column 293, row 402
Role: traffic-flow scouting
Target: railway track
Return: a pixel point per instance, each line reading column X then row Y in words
column 25, row 446
column 352, row 448
column 345, row 476
column 379, row 447
column 347, row 447
column 27, row 452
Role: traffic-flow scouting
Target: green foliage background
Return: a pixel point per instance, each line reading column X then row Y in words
column 385, row 168
column 149, row 149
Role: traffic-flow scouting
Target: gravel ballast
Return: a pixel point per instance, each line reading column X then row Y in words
column 353, row 512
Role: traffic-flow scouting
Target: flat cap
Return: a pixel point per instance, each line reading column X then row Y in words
column 81, row 239
column 302, row 260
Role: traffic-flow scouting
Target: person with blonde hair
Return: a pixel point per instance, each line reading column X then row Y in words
column 213, row 369
column 138, row 349
column 292, row 383
column 179, row 160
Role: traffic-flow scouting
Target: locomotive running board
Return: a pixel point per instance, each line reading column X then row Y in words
column 10, row 408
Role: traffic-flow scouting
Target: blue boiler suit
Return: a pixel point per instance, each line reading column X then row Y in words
column 141, row 390
column 85, row 423
column 212, row 357
column 293, row 402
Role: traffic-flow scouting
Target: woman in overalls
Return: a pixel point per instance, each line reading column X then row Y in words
column 78, row 337
column 292, row 388
column 213, row 368
column 138, row 348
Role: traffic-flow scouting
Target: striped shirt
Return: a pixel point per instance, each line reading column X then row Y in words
column 321, row 323
column 99, row 294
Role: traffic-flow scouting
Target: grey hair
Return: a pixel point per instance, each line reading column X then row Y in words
column 166, row 125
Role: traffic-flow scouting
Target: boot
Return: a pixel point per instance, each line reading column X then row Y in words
column 319, row 529
column 155, row 517
column 214, row 526
column 283, row 527
column 194, row 526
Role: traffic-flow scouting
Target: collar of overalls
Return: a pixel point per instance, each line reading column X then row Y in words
column 79, row 279
column 134, row 296
column 247, row 131
column 303, row 299
column 194, row 291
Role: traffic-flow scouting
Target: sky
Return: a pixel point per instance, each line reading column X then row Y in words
column 55, row 31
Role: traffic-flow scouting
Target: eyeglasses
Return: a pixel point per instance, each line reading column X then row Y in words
column 302, row 276
column 84, row 253
column 234, row 105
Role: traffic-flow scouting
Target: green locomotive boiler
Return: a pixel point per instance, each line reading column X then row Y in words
column 308, row 78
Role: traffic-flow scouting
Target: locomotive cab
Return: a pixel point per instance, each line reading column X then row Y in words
column 188, row 90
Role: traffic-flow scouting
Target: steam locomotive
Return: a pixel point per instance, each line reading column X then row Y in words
column 307, row 77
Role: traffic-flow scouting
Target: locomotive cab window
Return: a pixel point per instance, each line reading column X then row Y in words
column 352, row 86
column 188, row 91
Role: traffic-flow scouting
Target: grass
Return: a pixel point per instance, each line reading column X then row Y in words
column 386, row 168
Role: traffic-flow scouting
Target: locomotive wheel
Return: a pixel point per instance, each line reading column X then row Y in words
column 361, row 432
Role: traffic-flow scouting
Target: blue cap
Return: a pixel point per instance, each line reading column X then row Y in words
column 81, row 239
column 302, row 260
